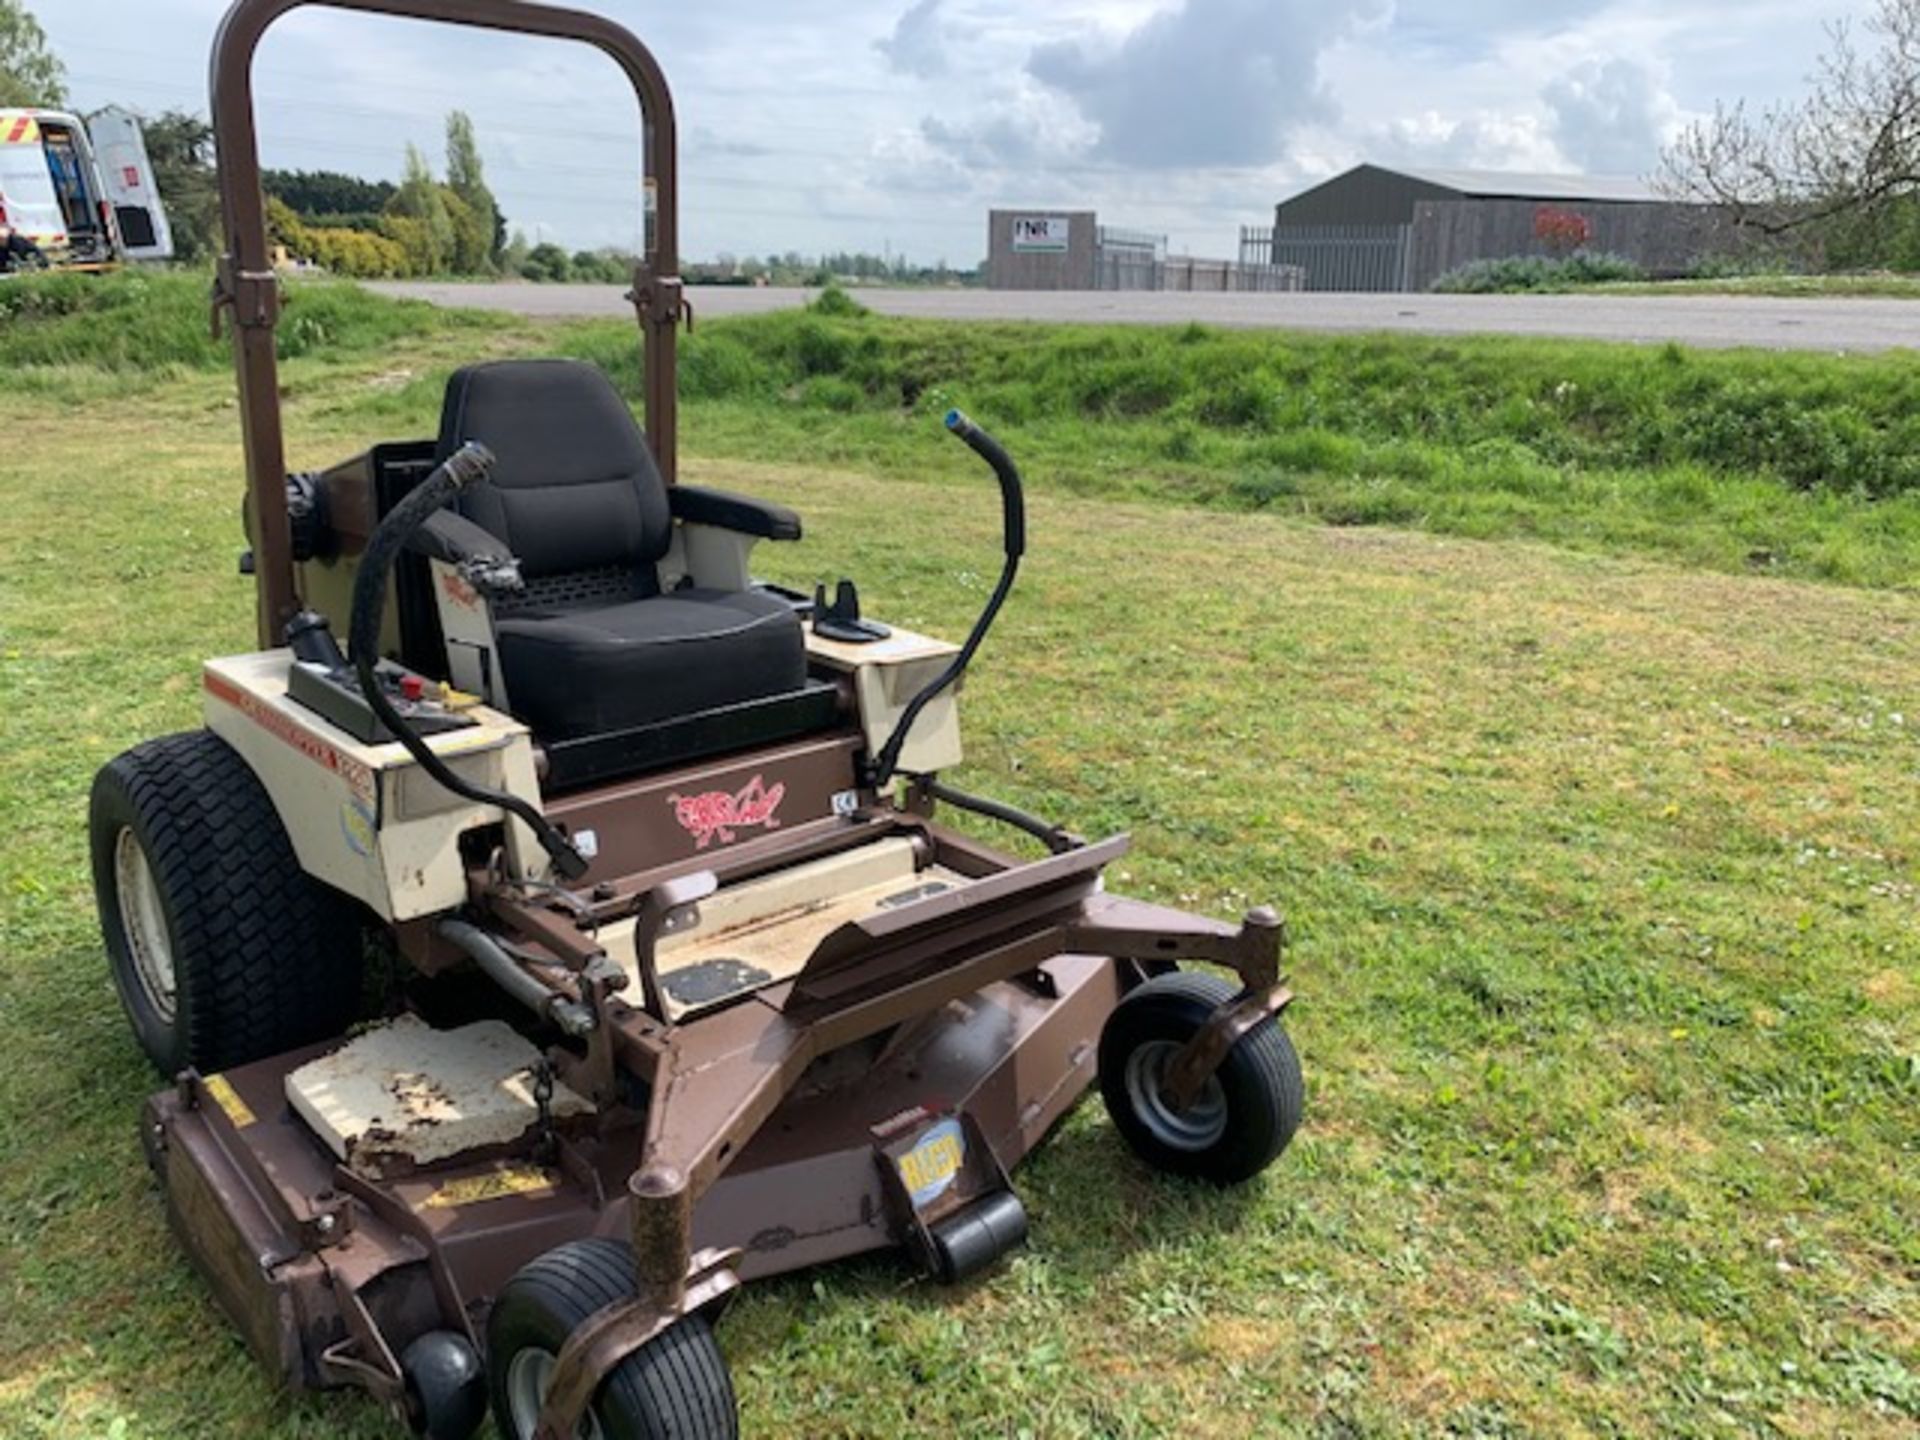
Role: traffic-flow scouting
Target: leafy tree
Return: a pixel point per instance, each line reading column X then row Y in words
column 360, row 254
column 472, row 235
column 30, row 73
column 486, row 234
column 326, row 192
column 180, row 145
column 608, row 266
column 423, row 200
column 1834, row 176
column 549, row 263
column 513, row 258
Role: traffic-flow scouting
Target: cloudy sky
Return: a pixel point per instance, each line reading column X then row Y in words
column 894, row 124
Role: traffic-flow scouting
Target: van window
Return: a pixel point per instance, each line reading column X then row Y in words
column 26, row 189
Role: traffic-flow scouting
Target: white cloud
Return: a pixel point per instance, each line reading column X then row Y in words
column 1478, row 140
column 1210, row 82
column 918, row 43
column 1611, row 116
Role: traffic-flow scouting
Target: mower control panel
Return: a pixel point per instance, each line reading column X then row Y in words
column 431, row 707
column 320, row 678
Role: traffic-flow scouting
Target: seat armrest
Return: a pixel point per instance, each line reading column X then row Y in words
column 697, row 505
column 481, row 557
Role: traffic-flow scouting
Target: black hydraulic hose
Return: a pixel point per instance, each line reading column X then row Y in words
column 1056, row 839
column 1013, row 500
column 1013, row 510
column 468, row 465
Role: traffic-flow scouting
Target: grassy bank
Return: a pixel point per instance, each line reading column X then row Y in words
column 1792, row 464
column 1798, row 465
column 1602, row 875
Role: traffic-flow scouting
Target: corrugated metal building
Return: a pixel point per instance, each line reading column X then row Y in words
column 1401, row 228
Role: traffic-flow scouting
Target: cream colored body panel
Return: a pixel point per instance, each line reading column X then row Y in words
column 715, row 558
column 367, row 819
column 887, row 674
column 466, row 627
column 773, row 923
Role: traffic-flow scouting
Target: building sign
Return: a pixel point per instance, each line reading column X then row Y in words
column 1040, row 234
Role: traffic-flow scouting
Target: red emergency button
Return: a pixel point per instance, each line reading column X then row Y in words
column 412, row 686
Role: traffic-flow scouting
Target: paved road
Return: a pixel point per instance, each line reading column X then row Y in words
column 1718, row 320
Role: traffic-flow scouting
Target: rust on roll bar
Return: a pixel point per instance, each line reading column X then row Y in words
column 246, row 283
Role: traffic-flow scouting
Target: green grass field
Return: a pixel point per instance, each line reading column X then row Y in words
column 1604, row 872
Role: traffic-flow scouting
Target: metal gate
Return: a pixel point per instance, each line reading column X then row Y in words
column 1334, row 257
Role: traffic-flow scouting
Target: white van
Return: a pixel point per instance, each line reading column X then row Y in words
column 51, row 190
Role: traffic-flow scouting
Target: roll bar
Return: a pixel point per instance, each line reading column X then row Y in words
column 245, row 283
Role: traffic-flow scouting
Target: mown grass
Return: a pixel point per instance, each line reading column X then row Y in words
column 1604, row 876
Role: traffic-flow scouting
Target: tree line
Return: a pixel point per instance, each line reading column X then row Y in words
column 376, row 229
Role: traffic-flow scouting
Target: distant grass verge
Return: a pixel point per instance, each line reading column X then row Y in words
column 1791, row 464
column 1879, row 285
column 157, row 322
column 1799, row 464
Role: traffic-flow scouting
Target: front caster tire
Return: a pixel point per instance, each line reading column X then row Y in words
column 675, row 1387
column 222, row 948
column 1244, row 1116
column 446, row 1393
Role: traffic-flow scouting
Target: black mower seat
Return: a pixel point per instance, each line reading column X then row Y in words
column 600, row 668
column 592, row 647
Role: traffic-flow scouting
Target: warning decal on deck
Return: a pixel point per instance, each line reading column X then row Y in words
column 492, row 1185
column 228, row 1099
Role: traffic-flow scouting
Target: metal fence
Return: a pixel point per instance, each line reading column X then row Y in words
column 1112, row 237
column 1136, row 260
column 1332, row 257
column 1127, row 259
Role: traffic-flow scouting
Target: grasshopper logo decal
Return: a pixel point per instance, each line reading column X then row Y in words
column 716, row 815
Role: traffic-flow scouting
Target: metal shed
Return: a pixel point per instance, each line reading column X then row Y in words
column 1401, row 228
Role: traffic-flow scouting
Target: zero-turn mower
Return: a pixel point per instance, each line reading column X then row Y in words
column 699, row 990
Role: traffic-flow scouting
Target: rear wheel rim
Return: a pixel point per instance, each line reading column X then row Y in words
column 529, row 1375
column 144, row 923
column 1199, row 1126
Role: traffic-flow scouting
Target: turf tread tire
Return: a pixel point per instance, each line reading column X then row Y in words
column 265, row 957
column 675, row 1387
column 1265, row 1091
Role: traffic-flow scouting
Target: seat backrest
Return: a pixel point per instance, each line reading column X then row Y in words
column 575, row 487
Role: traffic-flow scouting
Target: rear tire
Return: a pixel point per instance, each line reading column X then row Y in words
column 1245, row 1114
column 675, row 1387
column 222, row 948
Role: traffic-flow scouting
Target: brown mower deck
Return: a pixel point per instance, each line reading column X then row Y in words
column 250, row 1191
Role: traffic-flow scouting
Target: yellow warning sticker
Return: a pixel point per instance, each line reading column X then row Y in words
column 228, row 1099
column 492, row 1185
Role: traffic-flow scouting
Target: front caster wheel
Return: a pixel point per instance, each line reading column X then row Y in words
column 1244, row 1115
column 676, row 1385
column 446, row 1394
